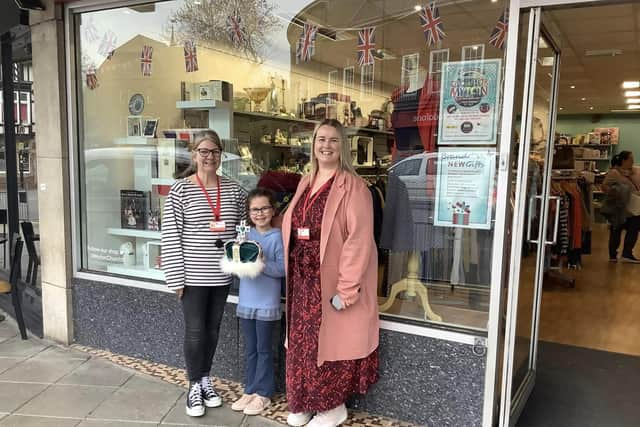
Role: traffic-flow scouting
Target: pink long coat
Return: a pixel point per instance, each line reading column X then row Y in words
column 348, row 267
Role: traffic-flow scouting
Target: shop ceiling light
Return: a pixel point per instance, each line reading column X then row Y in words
column 417, row 8
column 631, row 93
column 603, row 52
column 633, row 100
column 630, row 85
column 583, row 99
column 633, row 107
column 572, row 86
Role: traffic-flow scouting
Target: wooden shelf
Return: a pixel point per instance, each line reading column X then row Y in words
column 136, row 271
column 131, row 232
column 584, row 145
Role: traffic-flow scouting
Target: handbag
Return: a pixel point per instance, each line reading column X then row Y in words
column 634, row 204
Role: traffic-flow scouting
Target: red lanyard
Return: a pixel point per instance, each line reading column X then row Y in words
column 214, row 209
column 307, row 204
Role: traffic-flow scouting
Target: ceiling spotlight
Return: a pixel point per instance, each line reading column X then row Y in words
column 583, row 99
column 561, row 108
column 630, row 85
column 633, row 107
column 494, row 1
column 633, row 100
column 632, row 93
column 417, row 8
column 572, row 86
column 590, row 108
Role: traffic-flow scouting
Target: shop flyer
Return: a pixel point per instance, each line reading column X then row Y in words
column 464, row 187
column 469, row 105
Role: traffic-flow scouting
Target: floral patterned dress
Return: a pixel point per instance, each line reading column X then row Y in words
column 311, row 388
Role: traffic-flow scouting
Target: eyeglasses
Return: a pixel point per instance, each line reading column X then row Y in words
column 204, row 152
column 262, row 210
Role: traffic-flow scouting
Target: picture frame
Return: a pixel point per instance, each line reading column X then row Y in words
column 134, row 126
column 204, row 92
column 150, row 127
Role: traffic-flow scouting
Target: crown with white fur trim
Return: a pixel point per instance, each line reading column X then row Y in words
column 242, row 258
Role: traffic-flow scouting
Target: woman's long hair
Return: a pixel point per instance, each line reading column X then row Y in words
column 200, row 137
column 345, row 148
column 616, row 161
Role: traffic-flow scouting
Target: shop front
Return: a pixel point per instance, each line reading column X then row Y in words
column 430, row 98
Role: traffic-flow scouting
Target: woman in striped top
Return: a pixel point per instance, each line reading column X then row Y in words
column 200, row 214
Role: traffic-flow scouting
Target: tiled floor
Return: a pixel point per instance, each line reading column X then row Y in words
column 43, row 384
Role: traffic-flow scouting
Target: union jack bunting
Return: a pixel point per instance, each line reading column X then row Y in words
column 499, row 33
column 108, row 43
column 235, row 29
column 431, row 24
column 145, row 60
column 92, row 79
column 366, row 46
column 190, row 56
column 306, row 46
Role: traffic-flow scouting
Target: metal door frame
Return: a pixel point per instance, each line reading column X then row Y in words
column 510, row 408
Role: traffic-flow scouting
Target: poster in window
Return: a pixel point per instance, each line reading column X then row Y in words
column 133, row 209
column 465, row 185
column 470, row 102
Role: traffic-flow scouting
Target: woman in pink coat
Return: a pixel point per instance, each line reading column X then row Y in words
column 332, row 307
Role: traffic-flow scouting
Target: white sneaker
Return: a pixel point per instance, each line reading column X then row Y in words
column 298, row 419
column 331, row 418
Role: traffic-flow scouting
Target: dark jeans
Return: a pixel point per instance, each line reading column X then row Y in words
column 632, row 225
column 259, row 356
column 203, row 307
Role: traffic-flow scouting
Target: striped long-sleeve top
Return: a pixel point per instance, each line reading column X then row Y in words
column 189, row 253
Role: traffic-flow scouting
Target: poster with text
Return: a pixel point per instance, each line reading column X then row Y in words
column 464, row 188
column 470, row 102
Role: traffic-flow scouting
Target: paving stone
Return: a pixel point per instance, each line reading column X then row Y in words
column 75, row 401
column 59, row 352
column 28, row 421
column 96, row 372
column 9, row 362
column 222, row 416
column 41, row 370
column 14, row 395
column 120, row 423
column 17, row 347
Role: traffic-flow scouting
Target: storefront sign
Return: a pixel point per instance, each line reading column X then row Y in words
column 470, row 102
column 464, row 187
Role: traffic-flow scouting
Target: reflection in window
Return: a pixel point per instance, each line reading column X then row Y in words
column 367, row 79
column 470, row 53
column 409, row 74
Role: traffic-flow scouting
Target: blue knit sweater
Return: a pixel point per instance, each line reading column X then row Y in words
column 260, row 297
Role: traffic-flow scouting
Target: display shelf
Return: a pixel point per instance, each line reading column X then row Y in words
column 201, row 105
column 137, row 271
column 591, row 159
column 584, row 145
column 131, row 232
column 162, row 181
column 136, row 140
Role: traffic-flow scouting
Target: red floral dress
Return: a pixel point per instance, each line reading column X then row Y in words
column 311, row 388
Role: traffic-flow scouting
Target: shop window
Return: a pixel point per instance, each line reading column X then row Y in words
column 149, row 77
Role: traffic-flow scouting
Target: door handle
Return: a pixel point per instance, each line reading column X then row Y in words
column 556, row 221
column 532, row 200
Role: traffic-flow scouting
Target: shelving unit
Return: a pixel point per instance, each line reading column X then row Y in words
column 130, row 232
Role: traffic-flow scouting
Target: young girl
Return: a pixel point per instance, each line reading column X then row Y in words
column 259, row 306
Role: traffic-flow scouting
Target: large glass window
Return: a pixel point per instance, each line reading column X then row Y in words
column 263, row 74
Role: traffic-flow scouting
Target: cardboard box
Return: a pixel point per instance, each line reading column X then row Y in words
column 212, row 90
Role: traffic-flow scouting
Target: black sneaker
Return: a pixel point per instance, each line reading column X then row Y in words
column 195, row 405
column 630, row 259
column 211, row 398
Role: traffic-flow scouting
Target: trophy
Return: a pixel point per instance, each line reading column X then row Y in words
column 257, row 95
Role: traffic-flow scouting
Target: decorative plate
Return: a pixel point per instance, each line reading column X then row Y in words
column 136, row 104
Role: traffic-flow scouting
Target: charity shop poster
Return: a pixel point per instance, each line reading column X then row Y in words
column 464, row 187
column 470, row 102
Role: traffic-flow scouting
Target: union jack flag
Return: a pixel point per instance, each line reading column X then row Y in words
column 235, row 29
column 366, row 46
column 92, row 79
column 145, row 60
column 108, row 43
column 499, row 33
column 190, row 56
column 306, row 46
column 431, row 24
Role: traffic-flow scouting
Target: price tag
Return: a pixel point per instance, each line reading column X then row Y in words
column 217, row 226
column 303, row 234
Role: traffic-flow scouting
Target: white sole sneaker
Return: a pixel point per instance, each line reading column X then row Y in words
column 213, row 403
column 197, row 411
column 298, row 419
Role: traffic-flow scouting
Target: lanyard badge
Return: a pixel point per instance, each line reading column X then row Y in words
column 216, row 225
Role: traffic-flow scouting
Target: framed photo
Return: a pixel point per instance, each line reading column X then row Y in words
column 134, row 126
column 204, row 92
column 150, row 126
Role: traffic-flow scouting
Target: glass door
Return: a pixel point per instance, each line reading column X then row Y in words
column 535, row 215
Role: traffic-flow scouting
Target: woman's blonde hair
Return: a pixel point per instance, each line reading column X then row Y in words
column 199, row 138
column 345, row 164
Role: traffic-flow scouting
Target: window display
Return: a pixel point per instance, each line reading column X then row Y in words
column 262, row 75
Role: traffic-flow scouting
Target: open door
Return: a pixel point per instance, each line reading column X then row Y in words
column 535, row 213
